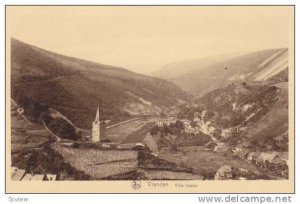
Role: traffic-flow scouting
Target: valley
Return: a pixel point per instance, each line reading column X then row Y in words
column 229, row 114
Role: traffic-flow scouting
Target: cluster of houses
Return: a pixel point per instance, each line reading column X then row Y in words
column 21, row 175
column 227, row 172
column 206, row 127
column 224, row 173
column 200, row 126
column 264, row 159
column 188, row 129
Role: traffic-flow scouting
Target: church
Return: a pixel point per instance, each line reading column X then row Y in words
column 98, row 128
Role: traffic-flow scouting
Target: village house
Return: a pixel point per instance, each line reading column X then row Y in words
column 267, row 158
column 253, row 157
column 50, row 177
column 21, row 175
column 281, row 138
column 234, row 131
column 210, row 146
column 245, row 144
column 196, row 115
column 250, row 157
column 38, row 177
column 241, row 146
column 191, row 130
column 246, row 107
column 236, row 150
column 217, row 132
column 211, row 130
column 197, row 120
column 242, row 128
column 186, row 123
column 224, row 173
column 234, row 107
column 205, row 128
column 159, row 124
column 275, row 159
column 105, row 145
column 243, row 153
column 243, row 170
column 203, row 113
column 226, row 133
column 279, row 162
column 284, row 156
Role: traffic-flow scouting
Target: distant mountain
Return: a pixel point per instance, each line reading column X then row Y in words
column 176, row 69
column 41, row 79
column 256, row 66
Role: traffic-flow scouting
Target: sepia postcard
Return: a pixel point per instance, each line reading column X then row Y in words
column 150, row 99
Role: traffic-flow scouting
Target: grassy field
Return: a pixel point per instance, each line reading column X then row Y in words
column 130, row 132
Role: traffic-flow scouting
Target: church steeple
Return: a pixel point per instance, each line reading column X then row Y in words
column 96, row 127
column 97, row 118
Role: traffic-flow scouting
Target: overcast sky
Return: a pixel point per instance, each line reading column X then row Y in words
column 143, row 39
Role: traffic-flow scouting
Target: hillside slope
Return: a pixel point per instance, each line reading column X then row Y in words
column 41, row 79
column 177, row 69
column 24, row 133
column 275, row 122
column 234, row 104
column 256, row 66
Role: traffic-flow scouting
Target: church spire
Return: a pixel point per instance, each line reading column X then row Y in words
column 96, row 127
column 97, row 118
